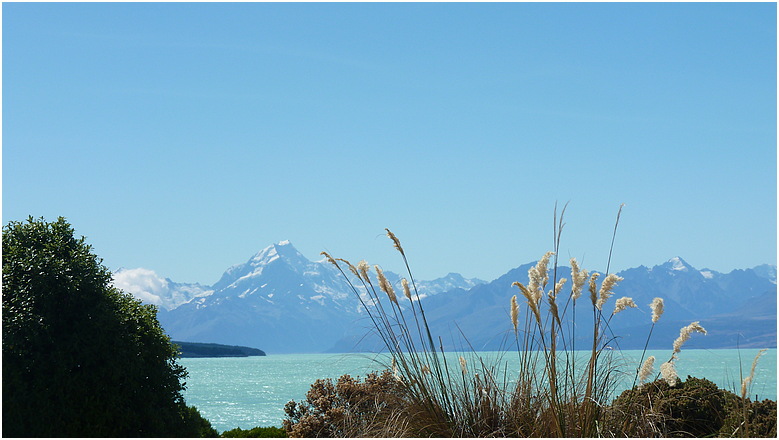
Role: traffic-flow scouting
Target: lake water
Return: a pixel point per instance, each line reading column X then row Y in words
column 252, row 391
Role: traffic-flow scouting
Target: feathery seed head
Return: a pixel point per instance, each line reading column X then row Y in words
column 606, row 291
column 668, row 371
column 748, row 379
column 395, row 241
column 406, row 290
column 543, row 270
column 578, row 278
column 525, row 291
column 657, row 309
column 538, row 276
column 425, row 369
column 351, row 267
column 646, row 369
column 594, row 287
column 364, row 268
column 463, row 365
column 534, row 280
column 622, row 304
column 685, row 333
column 745, row 386
column 385, row 285
column 559, row 286
column 514, row 312
column 532, row 301
column 329, row 258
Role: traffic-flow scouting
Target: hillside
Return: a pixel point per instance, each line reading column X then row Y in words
column 200, row 349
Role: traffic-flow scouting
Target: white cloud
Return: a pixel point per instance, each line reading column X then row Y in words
column 151, row 288
column 143, row 284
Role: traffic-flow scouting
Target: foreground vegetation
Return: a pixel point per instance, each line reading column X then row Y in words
column 81, row 358
column 556, row 392
column 379, row 407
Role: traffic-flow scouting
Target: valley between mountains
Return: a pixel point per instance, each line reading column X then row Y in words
column 281, row 302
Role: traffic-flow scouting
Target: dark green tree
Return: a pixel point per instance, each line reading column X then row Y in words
column 81, row 358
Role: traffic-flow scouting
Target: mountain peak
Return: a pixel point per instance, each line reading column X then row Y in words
column 676, row 263
column 284, row 250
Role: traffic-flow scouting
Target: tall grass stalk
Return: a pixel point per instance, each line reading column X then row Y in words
column 549, row 396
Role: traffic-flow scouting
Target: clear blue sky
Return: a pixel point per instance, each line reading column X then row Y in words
column 183, row 138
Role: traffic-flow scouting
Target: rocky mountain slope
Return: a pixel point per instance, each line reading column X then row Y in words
column 284, row 303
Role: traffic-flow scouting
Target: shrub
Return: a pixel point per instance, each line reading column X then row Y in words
column 195, row 425
column 749, row 419
column 81, row 358
column 693, row 408
column 347, row 408
column 257, row 432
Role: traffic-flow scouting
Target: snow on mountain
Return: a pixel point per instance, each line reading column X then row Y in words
column 677, row 264
column 146, row 285
column 767, row 271
column 283, row 302
column 734, row 307
column 444, row 284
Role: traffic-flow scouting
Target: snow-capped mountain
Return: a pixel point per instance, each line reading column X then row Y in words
column 281, row 302
column 278, row 300
column 737, row 308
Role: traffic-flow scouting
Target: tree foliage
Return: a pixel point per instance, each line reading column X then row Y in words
column 81, row 358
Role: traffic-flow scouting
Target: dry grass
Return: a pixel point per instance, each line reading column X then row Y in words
column 557, row 390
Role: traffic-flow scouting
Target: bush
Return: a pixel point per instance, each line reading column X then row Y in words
column 348, row 408
column 81, row 358
column 693, row 408
column 258, row 432
column 750, row 419
column 195, row 425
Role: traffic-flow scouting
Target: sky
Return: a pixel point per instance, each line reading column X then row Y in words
column 185, row 137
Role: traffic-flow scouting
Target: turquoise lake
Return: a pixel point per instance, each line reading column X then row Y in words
column 248, row 392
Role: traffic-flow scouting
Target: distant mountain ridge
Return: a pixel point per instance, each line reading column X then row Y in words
column 738, row 309
column 283, row 303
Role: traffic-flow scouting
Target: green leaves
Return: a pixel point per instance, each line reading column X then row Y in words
column 80, row 358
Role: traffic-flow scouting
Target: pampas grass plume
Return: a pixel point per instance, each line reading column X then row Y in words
column 606, row 291
column 538, row 276
column 406, row 290
column 668, row 371
column 329, row 258
column 685, row 333
column 578, row 278
column 594, row 288
column 657, row 309
column 559, row 286
column 385, row 285
column 646, row 369
column 514, row 312
column 363, row 267
column 622, row 304
column 748, row 379
column 395, row 241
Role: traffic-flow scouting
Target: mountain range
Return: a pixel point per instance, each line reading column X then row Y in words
column 281, row 302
